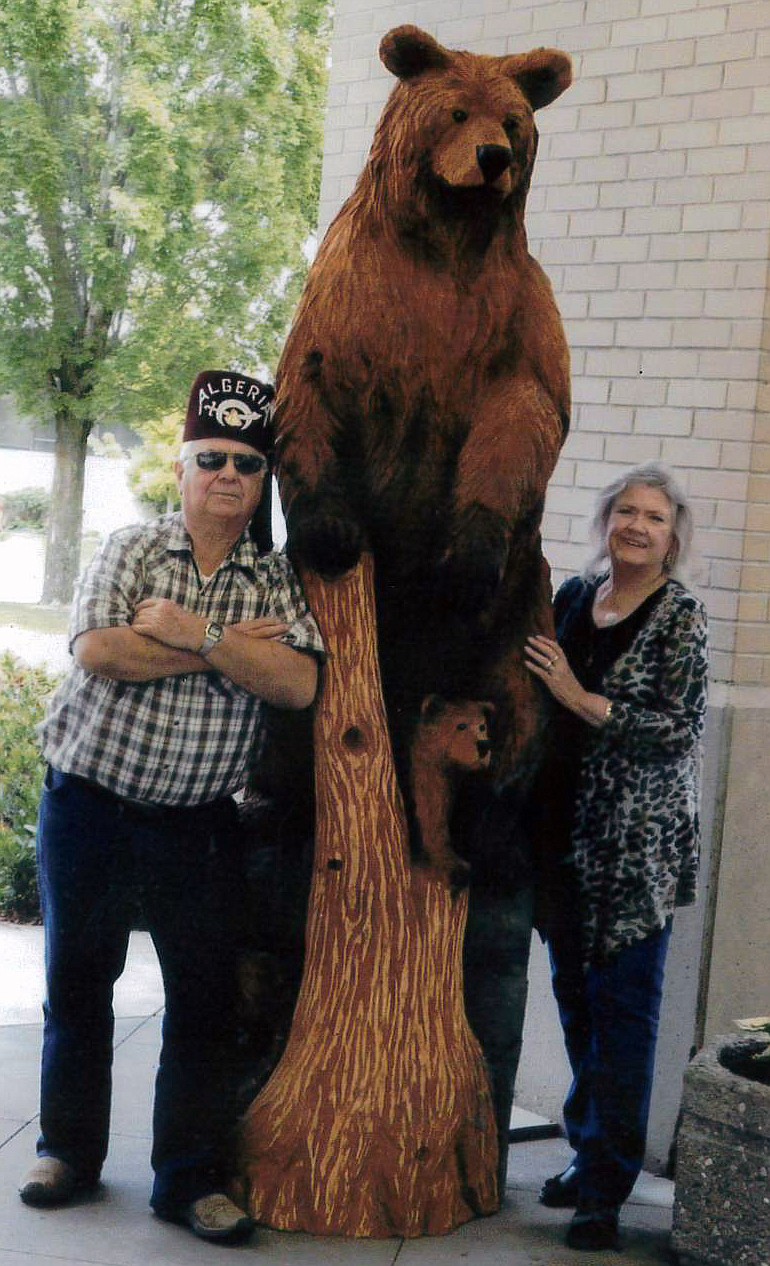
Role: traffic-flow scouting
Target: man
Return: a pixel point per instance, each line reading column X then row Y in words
column 180, row 630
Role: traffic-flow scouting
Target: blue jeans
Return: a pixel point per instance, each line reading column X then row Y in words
column 609, row 1015
column 97, row 857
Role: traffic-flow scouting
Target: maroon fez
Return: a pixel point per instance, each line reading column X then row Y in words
column 226, row 404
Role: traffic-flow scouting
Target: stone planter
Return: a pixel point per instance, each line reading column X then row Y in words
column 722, row 1192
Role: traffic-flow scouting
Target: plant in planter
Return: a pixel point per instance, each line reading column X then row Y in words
column 722, row 1193
column 752, row 1061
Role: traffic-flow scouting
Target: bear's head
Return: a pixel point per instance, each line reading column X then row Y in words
column 454, row 734
column 461, row 125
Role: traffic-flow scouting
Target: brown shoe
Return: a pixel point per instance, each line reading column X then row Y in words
column 50, row 1181
column 215, row 1217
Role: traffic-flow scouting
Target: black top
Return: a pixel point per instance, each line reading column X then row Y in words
column 590, row 652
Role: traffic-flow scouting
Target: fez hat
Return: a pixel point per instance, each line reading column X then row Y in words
column 226, row 404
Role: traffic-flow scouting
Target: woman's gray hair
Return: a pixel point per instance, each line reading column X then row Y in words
column 649, row 475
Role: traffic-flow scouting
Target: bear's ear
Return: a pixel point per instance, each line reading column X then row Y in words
column 543, row 75
column 431, row 707
column 408, row 52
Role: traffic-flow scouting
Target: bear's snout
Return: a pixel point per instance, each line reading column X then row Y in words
column 493, row 161
column 484, row 748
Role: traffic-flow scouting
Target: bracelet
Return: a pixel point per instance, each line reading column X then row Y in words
column 608, row 712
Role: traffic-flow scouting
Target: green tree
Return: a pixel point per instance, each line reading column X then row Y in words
column 159, row 167
column 151, row 475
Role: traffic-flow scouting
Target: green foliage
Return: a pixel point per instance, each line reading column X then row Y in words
column 159, row 173
column 151, row 474
column 19, row 896
column 23, row 695
column 104, row 445
column 159, row 169
column 27, row 508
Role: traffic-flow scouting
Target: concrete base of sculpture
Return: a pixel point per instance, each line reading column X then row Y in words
column 722, row 1196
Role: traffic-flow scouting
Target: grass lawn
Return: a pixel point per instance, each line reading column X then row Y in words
column 28, row 615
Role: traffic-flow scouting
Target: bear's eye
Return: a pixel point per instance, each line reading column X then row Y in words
column 463, row 725
column 511, row 123
column 459, row 116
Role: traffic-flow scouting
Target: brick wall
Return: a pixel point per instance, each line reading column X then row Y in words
column 650, row 211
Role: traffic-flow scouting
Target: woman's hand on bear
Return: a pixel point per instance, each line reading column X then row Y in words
column 545, row 659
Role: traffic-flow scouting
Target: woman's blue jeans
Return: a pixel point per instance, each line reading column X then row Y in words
column 98, row 857
column 609, row 1014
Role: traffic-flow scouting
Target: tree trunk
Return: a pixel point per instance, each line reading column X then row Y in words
column 62, row 557
column 378, row 1121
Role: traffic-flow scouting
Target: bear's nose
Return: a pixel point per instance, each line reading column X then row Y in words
column 493, row 161
column 484, row 746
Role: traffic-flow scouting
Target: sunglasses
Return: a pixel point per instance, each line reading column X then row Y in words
column 244, row 463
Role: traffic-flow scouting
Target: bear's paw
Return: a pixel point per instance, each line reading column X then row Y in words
column 324, row 536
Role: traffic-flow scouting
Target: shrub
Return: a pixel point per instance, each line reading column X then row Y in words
column 19, row 896
column 23, row 695
column 26, row 508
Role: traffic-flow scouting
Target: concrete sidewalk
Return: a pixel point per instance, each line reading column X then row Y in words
column 117, row 1229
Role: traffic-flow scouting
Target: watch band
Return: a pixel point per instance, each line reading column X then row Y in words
column 213, row 635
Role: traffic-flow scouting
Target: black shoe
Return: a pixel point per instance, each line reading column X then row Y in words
column 561, row 1191
column 593, row 1228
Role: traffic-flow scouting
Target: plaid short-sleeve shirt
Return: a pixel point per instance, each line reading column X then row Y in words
column 181, row 740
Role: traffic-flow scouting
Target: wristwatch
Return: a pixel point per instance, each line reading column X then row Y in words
column 212, row 637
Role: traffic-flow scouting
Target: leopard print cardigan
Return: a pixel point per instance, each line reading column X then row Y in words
column 635, row 836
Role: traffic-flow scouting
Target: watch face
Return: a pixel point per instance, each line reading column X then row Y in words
column 214, row 631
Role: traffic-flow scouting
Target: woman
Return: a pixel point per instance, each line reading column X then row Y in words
column 629, row 671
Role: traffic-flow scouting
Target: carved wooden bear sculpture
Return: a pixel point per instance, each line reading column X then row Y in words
column 423, row 394
column 450, row 739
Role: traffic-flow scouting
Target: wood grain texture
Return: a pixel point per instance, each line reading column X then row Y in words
column 378, row 1121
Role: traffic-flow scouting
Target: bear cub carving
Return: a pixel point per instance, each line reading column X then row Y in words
column 451, row 738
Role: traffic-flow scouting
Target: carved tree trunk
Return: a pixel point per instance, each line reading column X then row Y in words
column 378, row 1121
